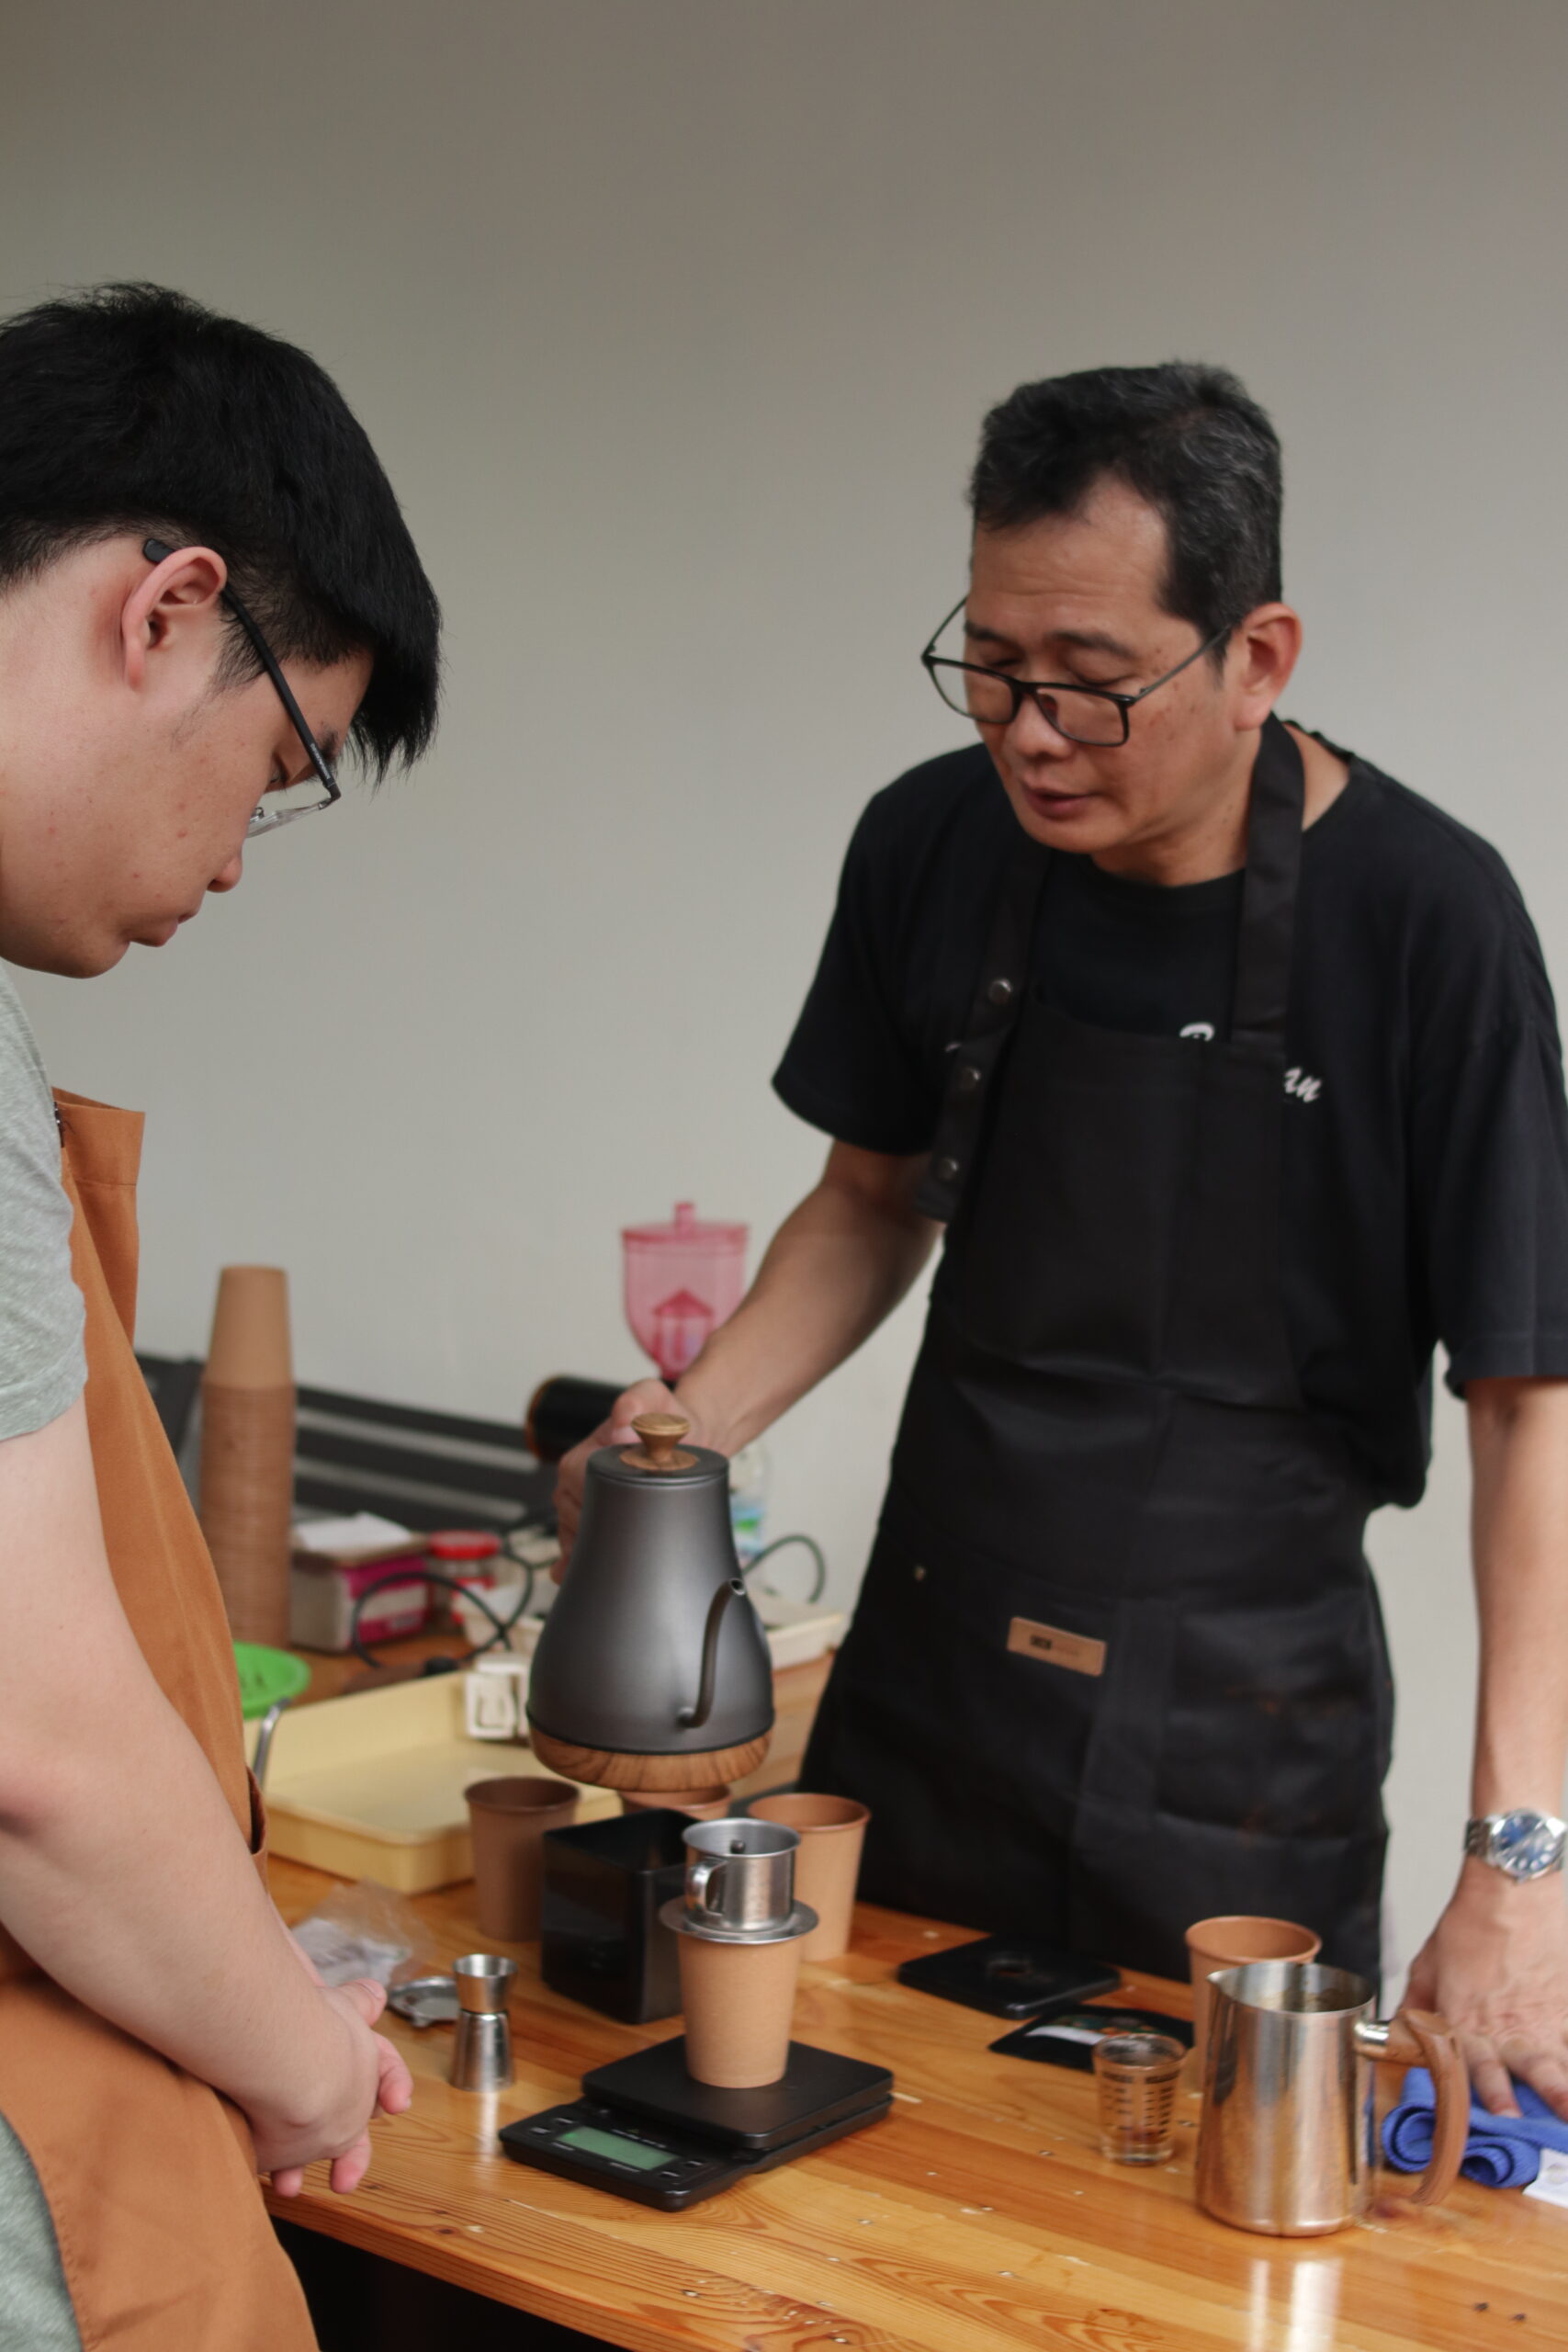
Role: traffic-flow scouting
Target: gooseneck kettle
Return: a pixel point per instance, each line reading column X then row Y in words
column 652, row 1670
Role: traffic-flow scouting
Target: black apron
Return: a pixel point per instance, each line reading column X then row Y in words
column 1118, row 1663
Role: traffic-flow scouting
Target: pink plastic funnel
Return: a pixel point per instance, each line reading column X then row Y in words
column 682, row 1281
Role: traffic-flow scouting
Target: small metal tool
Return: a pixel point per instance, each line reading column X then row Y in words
column 482, row 2048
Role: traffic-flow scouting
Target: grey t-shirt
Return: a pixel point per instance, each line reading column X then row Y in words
column 42, row 1372
column 42, row 1368
column 36, row 2313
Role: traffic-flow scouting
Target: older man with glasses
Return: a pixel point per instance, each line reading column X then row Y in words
column 1227, row 1070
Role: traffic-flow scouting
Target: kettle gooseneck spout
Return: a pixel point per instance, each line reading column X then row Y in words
column 693, row 1718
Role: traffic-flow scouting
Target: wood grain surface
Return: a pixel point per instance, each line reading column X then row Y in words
column 614, row 1768
column 978, row 2218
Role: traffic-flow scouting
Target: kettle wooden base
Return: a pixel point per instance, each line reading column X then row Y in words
column 609, row 1768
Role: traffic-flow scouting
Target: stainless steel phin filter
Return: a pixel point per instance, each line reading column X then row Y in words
column 741, row 1878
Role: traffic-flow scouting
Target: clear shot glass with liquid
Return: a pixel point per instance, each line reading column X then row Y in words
column 1135, row 2076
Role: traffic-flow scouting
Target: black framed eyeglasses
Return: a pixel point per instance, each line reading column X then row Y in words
column 303, row 797
column 1096, row 715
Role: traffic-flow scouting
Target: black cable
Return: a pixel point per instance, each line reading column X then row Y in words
column 401, row 1575
column 778, row 1544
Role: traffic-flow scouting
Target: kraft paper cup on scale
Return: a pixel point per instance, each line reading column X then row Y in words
column 247, row 1451
column 827, row 1866
column 737, row 2001
column 739, row 1932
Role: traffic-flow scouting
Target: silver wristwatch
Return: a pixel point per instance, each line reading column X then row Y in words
column 1523, row 1845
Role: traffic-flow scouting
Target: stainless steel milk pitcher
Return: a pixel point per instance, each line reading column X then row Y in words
column 1285, row 2143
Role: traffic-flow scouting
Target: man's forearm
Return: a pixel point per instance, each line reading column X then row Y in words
column 1520, row 1530
column 1496, row 1962
column 835, row 1269
column 123, row 1875
column 122, row 1871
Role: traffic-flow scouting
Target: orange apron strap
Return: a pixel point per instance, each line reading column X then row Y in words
column 148, row 2174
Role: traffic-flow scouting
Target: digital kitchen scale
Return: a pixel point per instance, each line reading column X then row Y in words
column 644, row 2129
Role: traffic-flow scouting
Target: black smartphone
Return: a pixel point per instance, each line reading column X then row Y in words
column 1066, row 2037
column 1008, row 1976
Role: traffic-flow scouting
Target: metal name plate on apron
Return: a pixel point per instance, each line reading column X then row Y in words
column 1073, row 1651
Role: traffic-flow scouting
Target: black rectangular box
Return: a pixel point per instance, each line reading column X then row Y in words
column 601, row 1940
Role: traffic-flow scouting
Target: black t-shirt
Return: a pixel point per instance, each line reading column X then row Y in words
column 1426, row 1168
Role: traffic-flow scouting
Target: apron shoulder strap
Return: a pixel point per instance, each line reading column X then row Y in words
column 1269, row 891
column 972, row 1061
column 1262, row 974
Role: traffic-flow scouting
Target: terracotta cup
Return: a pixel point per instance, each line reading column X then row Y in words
column 508, row 1818
column 737, row 2001
column 1229, row 1943
column 698, row 1804
column 827, row 1863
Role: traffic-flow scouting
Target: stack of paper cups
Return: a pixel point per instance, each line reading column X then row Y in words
column 247, row 1450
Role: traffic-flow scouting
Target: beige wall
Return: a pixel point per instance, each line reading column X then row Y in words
column 673, row 321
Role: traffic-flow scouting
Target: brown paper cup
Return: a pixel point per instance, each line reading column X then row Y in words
column 508, row 1818
column 827, row 1863
column 246, row 1508
column 737, row 2001
column 249, row 1347
column 1230, row 1942
column 698, row 1804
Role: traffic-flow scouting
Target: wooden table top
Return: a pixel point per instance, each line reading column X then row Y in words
column 979, row 2216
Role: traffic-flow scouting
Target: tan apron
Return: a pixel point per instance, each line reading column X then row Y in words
column 149, row 2173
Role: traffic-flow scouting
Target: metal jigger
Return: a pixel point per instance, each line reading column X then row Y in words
column 481, row 2049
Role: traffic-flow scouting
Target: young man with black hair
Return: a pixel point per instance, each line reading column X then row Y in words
column 207, row 595
column 1232, row 1071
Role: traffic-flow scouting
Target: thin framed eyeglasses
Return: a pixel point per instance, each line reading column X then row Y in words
column 1098, row 715
column 304, row 797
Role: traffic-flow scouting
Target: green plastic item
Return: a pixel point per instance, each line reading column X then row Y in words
column 267, row 1676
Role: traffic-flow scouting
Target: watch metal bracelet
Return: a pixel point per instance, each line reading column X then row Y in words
column 1523, row 1844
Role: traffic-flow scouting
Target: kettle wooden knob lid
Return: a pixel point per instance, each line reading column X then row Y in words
column 660, row 1448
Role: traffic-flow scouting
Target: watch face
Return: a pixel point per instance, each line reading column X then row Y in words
column 1526, row 1844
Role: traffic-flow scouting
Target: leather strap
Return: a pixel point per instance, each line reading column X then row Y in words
column 1004, row 976
column 1267, row 935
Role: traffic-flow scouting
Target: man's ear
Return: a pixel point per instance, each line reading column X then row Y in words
column 1263, row 654
column 171, row 609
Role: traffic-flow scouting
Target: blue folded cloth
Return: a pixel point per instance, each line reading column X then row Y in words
column 1503, row 2151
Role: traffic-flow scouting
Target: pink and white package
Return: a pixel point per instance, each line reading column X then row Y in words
column 322, row 1597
